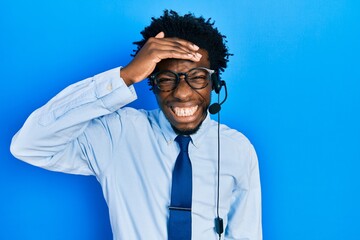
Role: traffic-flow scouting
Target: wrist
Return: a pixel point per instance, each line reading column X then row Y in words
column 125, row 76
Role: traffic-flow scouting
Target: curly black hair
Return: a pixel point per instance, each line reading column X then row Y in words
column 194, row 29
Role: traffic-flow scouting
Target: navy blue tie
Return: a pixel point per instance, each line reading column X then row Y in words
column 179, row 225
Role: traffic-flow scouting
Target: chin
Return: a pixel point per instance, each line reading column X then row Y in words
column 191, row 128
column 186, row 131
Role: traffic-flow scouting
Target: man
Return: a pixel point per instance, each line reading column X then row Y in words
column 86, row 129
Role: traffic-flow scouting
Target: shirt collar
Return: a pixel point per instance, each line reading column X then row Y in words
column 170, row 135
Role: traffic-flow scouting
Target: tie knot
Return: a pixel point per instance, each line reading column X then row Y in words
column 183, row 142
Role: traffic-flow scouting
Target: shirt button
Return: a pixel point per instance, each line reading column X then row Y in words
column 109, row 87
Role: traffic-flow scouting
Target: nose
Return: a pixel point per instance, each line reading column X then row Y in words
column 183, row 90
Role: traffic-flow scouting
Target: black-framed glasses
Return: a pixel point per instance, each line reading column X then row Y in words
column 196, row 78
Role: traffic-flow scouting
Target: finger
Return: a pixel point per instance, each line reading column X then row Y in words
column 178, row 42
column 165, row 54
column 166, row 45
column 160, row 35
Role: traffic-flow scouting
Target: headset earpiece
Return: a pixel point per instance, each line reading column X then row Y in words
column 216, row 85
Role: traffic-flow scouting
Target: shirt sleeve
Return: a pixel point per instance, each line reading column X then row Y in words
column 48, row 138
column 244, row 218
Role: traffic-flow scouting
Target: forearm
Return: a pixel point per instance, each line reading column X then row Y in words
column 50, row 128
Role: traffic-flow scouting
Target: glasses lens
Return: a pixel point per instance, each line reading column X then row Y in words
column 166, row 81
column 198, row 78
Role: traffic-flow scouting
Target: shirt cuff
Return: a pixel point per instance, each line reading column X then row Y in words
column 110, row 87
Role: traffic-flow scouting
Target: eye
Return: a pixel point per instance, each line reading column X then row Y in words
column 165, row 79
column 166, row 82
column 198, row 74
column 199, row 77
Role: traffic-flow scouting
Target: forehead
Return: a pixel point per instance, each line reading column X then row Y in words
column 180, row 65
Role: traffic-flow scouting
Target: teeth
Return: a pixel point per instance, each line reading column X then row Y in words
column 185, row 112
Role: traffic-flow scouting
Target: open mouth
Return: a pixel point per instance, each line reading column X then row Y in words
column 184, row 111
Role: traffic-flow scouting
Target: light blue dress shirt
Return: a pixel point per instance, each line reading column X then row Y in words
column 86, row 129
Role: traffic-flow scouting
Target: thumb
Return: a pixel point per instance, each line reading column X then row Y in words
column 160, row 35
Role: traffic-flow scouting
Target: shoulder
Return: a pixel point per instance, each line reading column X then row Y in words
column 230, row 135
column 236, row 143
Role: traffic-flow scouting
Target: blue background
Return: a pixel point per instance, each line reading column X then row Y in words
column 293, row 90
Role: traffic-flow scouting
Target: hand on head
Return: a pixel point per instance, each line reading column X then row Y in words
column 156, row 49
